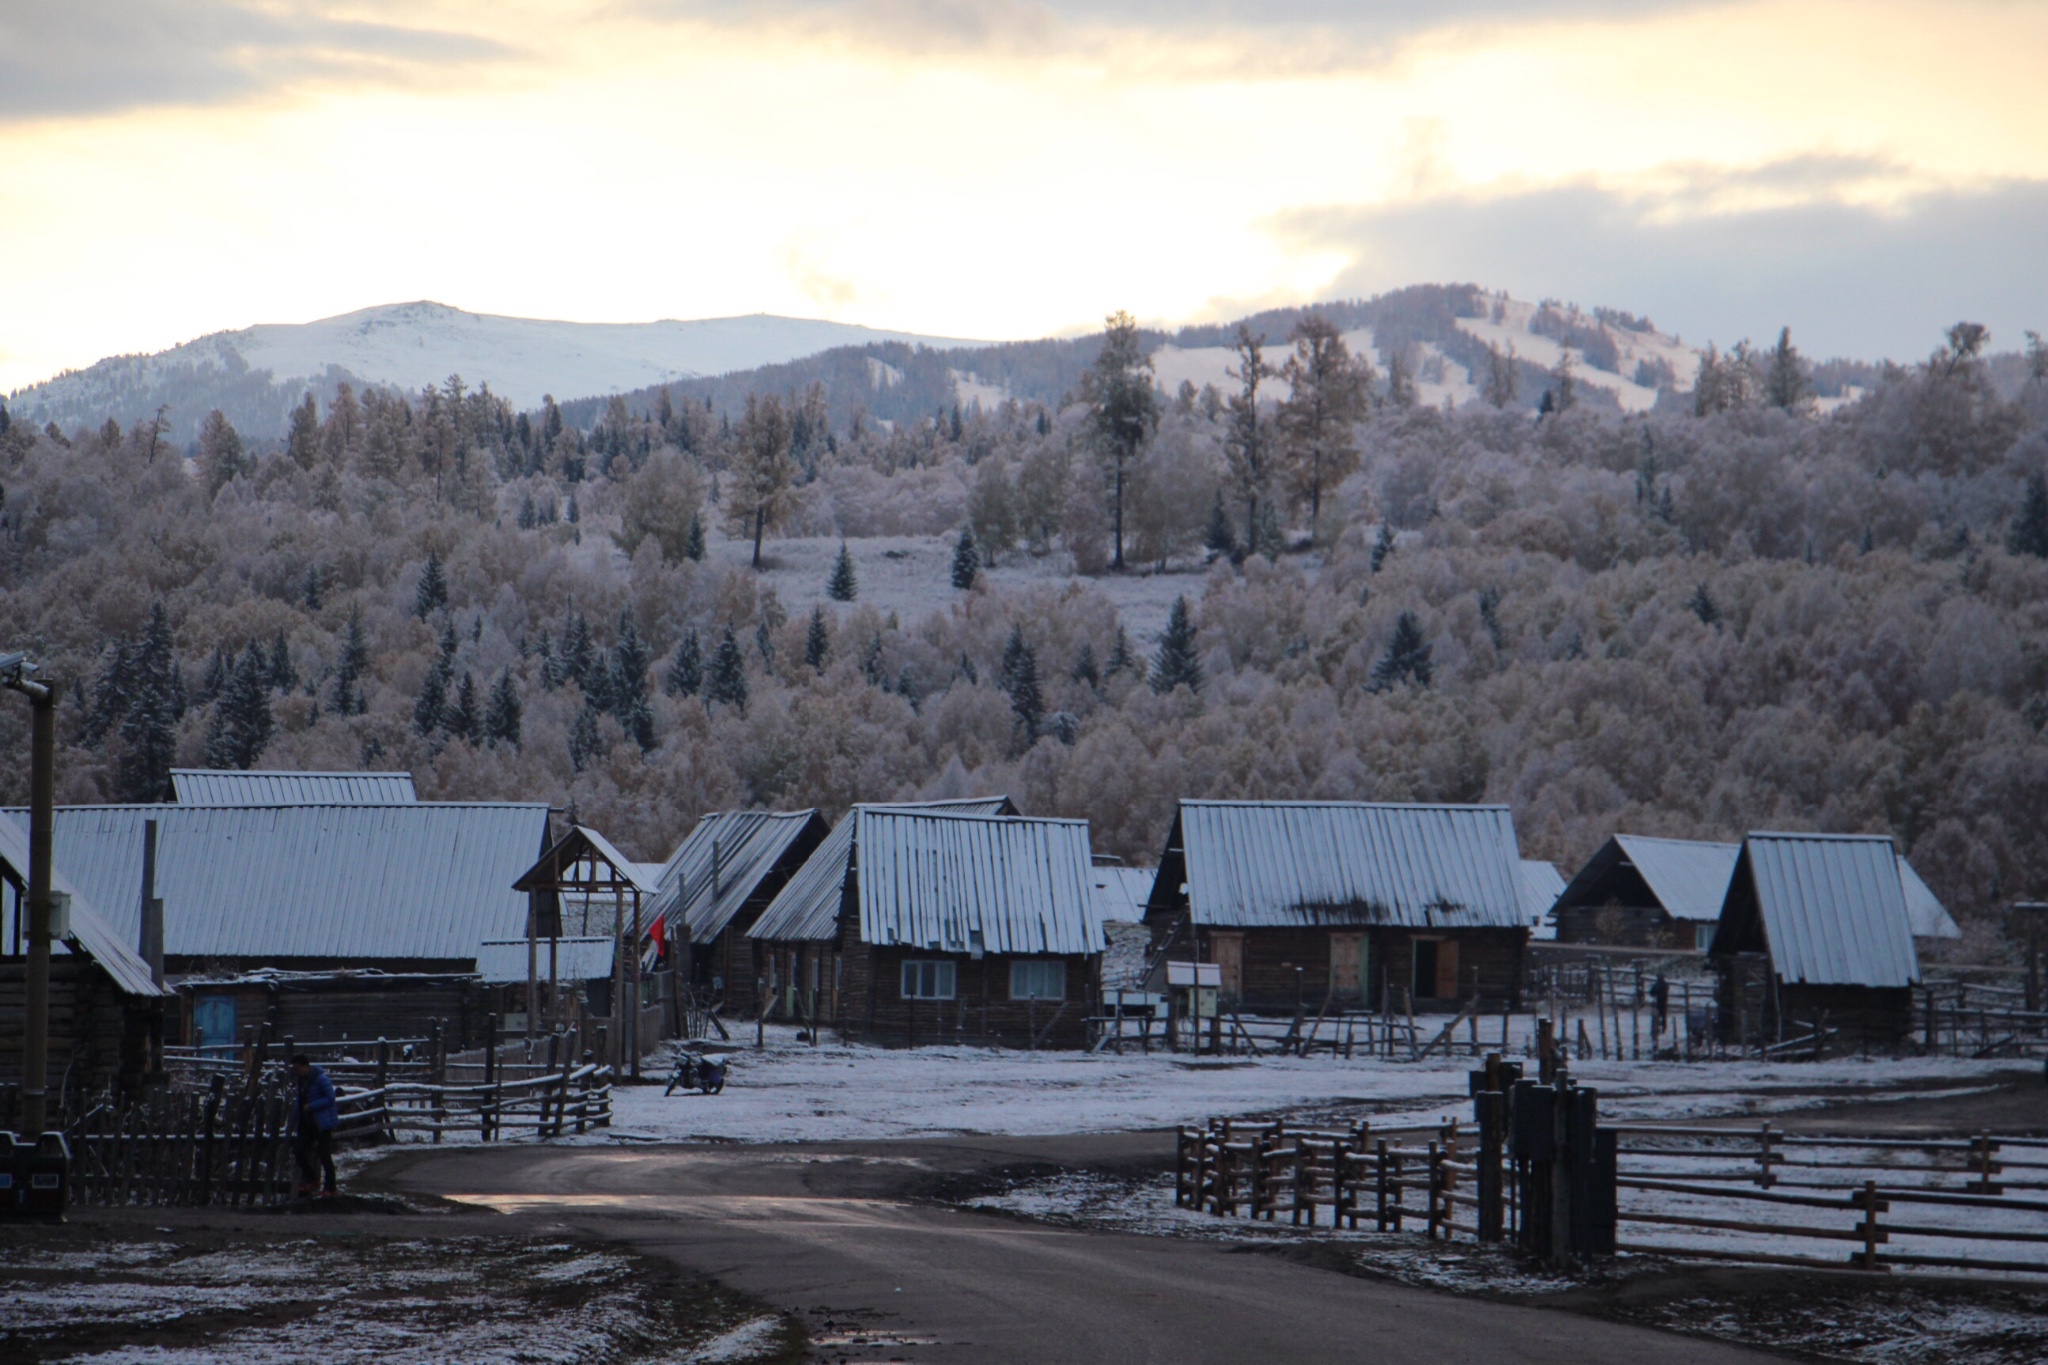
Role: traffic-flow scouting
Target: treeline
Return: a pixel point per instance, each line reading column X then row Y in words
column 1695, row 623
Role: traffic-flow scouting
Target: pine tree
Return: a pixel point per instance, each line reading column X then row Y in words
column 241, row 726
column 586, row 741
column 764, row 474
column 693, row 541
column 843, row 586
column 1020, row 680
column 219, row 668
column 1787, row 383
column 156, row 701
column 637, row 720
column 1406, row 659
column 302, row 439
column 574, row 654
column 630, row 662
column 1564, row 384
column 1221, row 539
column 727, row 683
column 1176, row 664
column 1382, row 546
column 817, row 642
column 764, row 641
column 283, row 676
column 1123, row 409
column 430, row 710
column 113, row 688
column 966, row 560
column 461, row 718
column 1704, row 606
column 315, row 589
column 686, row 670
column 1267, row 537
column 1500, row 375
column 432, row 592
column 350, row 665
column 2029, row 533
column 504, row 716
column 1330, row 394
column 1244, row 441
column 1085, row 670
column 220, row 451
column 1121, row 659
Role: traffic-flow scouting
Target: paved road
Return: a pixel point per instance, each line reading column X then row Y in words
column 832, row 1232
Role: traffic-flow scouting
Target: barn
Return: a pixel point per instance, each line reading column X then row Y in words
column 1344, row 905
column 1640, row 892
column 1815, row 933
column 717, row 883
column 946, row 925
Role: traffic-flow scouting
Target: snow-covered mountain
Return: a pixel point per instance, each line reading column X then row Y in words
column 257, row 373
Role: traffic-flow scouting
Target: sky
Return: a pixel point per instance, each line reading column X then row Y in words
column 1866, row 172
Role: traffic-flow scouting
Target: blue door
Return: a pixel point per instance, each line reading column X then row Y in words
column 213, row 1021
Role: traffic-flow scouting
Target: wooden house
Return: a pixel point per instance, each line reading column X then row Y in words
column 716, row 885
column 1639, row 892
column 942, row 926
column 1344, row 905
column 1815, row 933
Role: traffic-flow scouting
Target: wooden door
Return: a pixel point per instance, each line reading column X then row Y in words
column 1347, row 966
column 1447, row 969
column 1227, row 951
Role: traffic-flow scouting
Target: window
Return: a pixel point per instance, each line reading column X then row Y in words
column 927, row 981
column 1038, row 980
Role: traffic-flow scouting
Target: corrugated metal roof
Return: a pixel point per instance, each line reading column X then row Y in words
column 89, row 929
column 1689, row 877
column 720, row 866
column 625, row 866
column 1264, row 864
column 1121, row 892
column 502, row 961
column 807, row 908
column 953, row 883
column 429, row 879
column 1924, row 910
column 1542, row 884
column 214, row 787
column 1833, row 907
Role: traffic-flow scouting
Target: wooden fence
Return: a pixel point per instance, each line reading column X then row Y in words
column 1384, row 1178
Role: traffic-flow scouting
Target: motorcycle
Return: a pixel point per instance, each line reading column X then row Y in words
column 698, row 1071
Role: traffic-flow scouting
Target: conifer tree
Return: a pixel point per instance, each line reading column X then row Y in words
column 1244, row 441
column 283, row 676
column 315, row 589
column 727, row 683
column 1500, row 375
column 156, row 701
column 966, row 560
column 693, row 540
column 302, row 438
column 432, row 593
column 764, row 474
column 1020, row 680
column 1176, row 664
column 241, row 726
column 630, row 663
column 1120, row 657
column 1330, row 394
column 1085, row 670
column 1123, row 410
column 2029, row 533
column 1564, row 384
column 574, row 652
column 843, row 587
column 1221, row 539
column 461, row 718
column 219, row 668
column 1406, row 659
column 1267, row 537
column 504, row 716
column 350, row 665
column 429, row 710
column 1787, row 383
column 686, row 670
column 220, row 451
column 637, row 720
column 1704, row 606
column 1382, row 546
column 113, row 688
column 585, row 740
column 817, row 641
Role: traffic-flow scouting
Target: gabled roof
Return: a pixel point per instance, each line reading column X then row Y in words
column 216, row 787
column 1687, row 877
column 1278, row 864
column 807, row 907
column 962, row 884
column 583, row 846
column 1121, row 892
column 720, row 867
column 1830, row 909
column 1929, row 917
column 428, row 879
column 1542, row 884
column 90, row 932
column 502, row 961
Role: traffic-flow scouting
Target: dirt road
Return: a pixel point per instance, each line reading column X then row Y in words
column 840, row 1234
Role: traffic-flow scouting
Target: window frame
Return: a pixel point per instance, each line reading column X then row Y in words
column 945, row 979
column 1046, row 966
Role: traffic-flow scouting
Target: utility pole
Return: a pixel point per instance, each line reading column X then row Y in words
column 35, row 1043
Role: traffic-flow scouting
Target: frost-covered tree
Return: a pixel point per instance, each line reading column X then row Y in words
column 302, row 435
column 242, row 726
column 686, row 670
column 1022, row 683
column 966, row 560
column 2029, row 532
column 759, row 497
column 1246, row 442
column 1123, row 410
column 505, row 715
column 1407, row 660
column 1788, row 380
column 221, row 457
column 432, row 593
column 817, row 642
column 1330, row 393
column 1176, row 664
column 843, row 586
column 727, row 683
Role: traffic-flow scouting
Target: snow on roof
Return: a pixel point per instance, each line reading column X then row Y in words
column 1121, row 892
column 214, row 787
column 90, row 932
column 956, row 884
column 1929, row 916
column 1689, row 877
column 1832, row 906
column 1261, row 864
column 807, row 907
column 1542, row 884
column 502, row 961
column 721, row 866
column 429, row 879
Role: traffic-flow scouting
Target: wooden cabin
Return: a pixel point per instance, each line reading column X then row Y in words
column 715, row 886
column 945, row 925
column 1639, row 892
column 1344, row 905
column 1815, row 933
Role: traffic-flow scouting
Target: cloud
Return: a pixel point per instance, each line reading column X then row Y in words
column 1852, row 279
column 69, row 58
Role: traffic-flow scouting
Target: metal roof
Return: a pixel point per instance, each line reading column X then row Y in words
column 502, row 961
column 1268, row 864
column 90, row 932
column 961, row 884
column 1833, row 908
column 1121, row 892
column 428, row 879
column 1929, row 917
column 1542, row 884
column 215, row 787
column 720, row 867
column 807, row 907
column 1689, row 877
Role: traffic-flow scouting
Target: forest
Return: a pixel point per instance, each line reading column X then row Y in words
column 1730, row 613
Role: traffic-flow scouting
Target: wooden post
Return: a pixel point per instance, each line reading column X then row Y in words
column 1866, row 1199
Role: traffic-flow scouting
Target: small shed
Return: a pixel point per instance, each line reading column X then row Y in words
column 954, row 927
column 717, row 883
column 1815, row 933
column 1344, row 904
column 1641, row 892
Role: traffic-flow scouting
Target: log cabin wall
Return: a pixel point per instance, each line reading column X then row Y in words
column 98, row 1035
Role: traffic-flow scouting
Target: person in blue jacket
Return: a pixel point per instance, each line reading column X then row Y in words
column 317, row 1114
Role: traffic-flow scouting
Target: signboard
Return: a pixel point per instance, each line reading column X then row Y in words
column 1194, row 974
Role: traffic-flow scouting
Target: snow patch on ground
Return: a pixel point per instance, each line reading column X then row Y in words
column 748, row 1341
